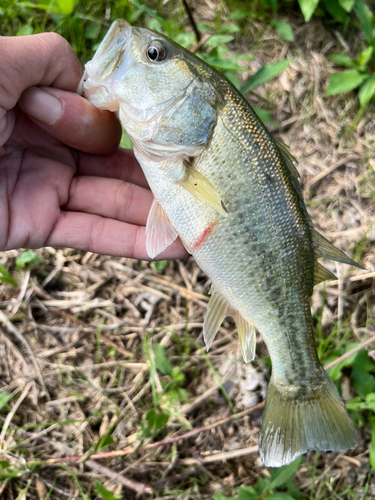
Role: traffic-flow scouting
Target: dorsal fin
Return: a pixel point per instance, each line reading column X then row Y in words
column 322, row 274
column 288, row 158
column 325, row 250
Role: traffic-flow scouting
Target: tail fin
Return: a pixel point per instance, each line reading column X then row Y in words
column 301, row 419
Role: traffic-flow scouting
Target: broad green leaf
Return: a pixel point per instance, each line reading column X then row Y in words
column 280, row 475
column 105, row 441
column 364, row 381
column 265, row 74
column 347, row 4
column 104, row 493
column 357, row 403
column 163, row 364
column 184, row 39
column 365, row 56
column 247, row 493
column 335, row 371
column 280, row 496
column 6, row 277
column 4, row 398
column 337, row 12
column 307, row 7
column 220, row 496
column 366, row 17
column 367, row 90
column 156, row 420
column 237, row 15
column 216, row 40
column 216, row 62
column 343, row 82
column 265, row 116
column 160, row 265
column 177, row 375
column 343, row 60
column 285, row 30
column 25, row 30
column 67, row 6
column 27, row 258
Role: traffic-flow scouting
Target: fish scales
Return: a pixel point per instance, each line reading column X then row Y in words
column 231, row 192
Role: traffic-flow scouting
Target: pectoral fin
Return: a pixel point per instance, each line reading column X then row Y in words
column 218, row 308
column 324, row 249
column 159, row 231
column 202, row 189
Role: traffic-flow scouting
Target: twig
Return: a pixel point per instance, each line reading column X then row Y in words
column 12, row 329
column 200, row 44
column 329, row 170
column 130, row 451
column 192, row 21
column 13, row 411
column 139, row 488
column 350, row 353
column 222, row 457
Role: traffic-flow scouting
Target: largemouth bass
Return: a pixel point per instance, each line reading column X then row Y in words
column 231, row 193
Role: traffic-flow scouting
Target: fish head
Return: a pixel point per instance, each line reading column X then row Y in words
column 156, row 87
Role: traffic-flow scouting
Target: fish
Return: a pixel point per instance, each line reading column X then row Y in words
column 231, row 193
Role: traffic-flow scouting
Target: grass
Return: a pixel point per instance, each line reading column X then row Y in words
column 118, row 343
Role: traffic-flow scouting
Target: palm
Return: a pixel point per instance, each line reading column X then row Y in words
column 66, row 184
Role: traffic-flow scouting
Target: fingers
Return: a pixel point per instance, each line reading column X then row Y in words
column 72, row 119
column 120, row 165
column 106, row 236
column 111, row 198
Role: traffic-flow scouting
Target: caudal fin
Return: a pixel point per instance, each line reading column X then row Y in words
column 299, row 419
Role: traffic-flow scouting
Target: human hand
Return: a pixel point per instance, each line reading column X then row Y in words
column 63, row 180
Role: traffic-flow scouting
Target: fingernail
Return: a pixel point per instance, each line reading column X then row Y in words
column 41, row 105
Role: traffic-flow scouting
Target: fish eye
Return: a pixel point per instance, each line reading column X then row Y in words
column 156, row 51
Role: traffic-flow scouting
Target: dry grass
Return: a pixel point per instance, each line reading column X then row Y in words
column 76, row 349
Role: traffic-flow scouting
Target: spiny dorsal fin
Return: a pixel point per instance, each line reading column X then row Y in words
column 202, row 189
column 324, row 249
column 159, row 232
column 246, row 336
column 218, row 308
column 288, row 157
column 322, row 274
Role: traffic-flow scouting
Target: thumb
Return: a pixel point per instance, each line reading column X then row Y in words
column 71, row 119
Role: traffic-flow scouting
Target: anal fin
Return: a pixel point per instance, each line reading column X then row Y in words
column 159, row 231
column 246, row 336
column 218, row 308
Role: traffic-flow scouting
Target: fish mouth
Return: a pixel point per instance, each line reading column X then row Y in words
column 112, row 56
